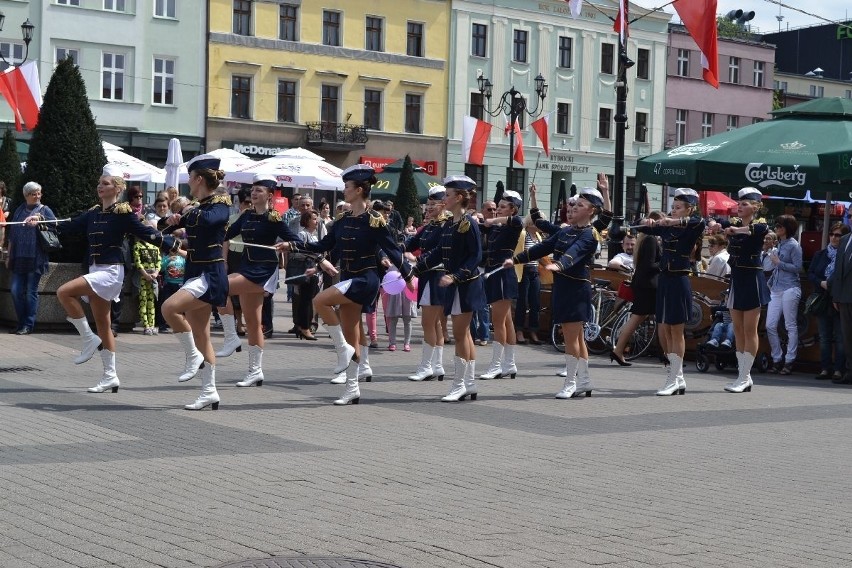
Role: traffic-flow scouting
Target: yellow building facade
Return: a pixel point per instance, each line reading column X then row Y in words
column 353, row 81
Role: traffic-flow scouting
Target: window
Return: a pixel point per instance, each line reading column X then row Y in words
column 515, row 180
column 756, row 120
column 330, row 28
column 816, row 90
column 413, row 104
column 13, row 52
column 68, row 2
column 286, row 101
column 733, row 122
column 780, row 85
column 734, row 70
column 372, row 109
column 566, row 45
column 373, row 34
column 683, row 62
column 164, row 8
column 414, row 42
column 848, row 94
column 240, row 97
column 114, row 5
column 287, row 22
column 476, row 173
column 563, row 118
column 164, row 81
column 480, row 40
column 242, row 17
column 605, row 123
column 707, row 124
column 329, row 104
column 607, row 58
column 758, row 73
column 63, row 53
column 680, row 127
column 112, row 76
column 641, row 127
column 477, row 106
column 643, row 64
column 519, row 46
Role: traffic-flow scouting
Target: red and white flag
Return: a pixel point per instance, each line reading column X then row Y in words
column 22, row 90
column 475, row 135
column 541, row 127
column 699, row 17
column 620, row 24
column 518, row 154
column 575, row 6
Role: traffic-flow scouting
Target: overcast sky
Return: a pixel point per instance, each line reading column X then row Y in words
column 766, row 12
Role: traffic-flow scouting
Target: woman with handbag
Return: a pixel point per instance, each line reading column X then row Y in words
column 256, row 276
column 832, row 355
column 785, row 291
column 646, row 270
column 106, row 226
column 28, row 259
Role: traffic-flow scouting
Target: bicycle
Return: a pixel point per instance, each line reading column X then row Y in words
column 605, row 302
column 641, row 339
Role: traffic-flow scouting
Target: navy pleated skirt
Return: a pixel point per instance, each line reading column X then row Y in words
column 217, row 281
column 674, row 298
column 502, row 285
column 470, row 296
column 437, row 294
column 748, row 289
column 572, row 300
column 361, row 288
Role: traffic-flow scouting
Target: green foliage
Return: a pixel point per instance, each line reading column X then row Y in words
column 406, row 201
column 731, row 29
column 10, row 167
column 66, row 156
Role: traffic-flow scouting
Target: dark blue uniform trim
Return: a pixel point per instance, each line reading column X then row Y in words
column 748, row 282
column 256, row 264
column 205, row 231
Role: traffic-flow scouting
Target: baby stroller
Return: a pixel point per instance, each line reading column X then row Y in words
column 720, row 348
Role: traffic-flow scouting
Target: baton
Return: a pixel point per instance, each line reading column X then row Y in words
column 24, row 222
column 270, row 247
column 495, row 271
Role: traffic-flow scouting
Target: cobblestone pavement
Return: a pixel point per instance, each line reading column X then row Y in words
column 515, row 479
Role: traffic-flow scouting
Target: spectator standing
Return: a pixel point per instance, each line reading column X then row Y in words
column 306, row 288
column 840, row 285
column 529, row 290
column 785, row 293
column 481, row 322
column 832, row 355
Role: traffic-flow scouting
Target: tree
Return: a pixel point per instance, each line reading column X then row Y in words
column 406, row 194
column 10, row 166
column 66, row 156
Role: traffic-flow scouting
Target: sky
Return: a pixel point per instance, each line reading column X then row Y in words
column 766, row 12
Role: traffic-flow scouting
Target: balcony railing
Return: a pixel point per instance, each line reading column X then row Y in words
column 332, row 135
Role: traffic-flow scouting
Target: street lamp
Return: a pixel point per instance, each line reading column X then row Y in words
column 514, row 104
column 26, row 31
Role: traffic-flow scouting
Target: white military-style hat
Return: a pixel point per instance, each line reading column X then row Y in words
column 591, row 195
column 358, row 172
column 513, row 196
column 749, row 193
column 459, row 182
column 265, row 180
column 437, row 192
column 687, row 195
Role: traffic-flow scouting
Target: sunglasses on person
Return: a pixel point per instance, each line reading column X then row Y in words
column 838, row 235
column 136, row 196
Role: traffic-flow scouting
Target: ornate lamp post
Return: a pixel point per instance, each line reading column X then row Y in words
column 513, row 104
column 26, row 31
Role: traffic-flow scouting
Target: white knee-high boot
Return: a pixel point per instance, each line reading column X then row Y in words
column 470, row 380
column 194, row 358
column 743, row 382
column 345, row 352
column 232, row 340
column 494, row 369
column 424, row 369
column 507, row 363
column 458, row 389
column 671, row 385
column 584, row 381
column 352, row 394
column 110, row 378
column 438, row 362
column 255, row 373
column 365, row 372
column 91, row 342
column 570, row 386
column 209, row 396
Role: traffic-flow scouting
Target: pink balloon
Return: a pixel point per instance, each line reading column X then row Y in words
column 393, row 283
column 409, row 293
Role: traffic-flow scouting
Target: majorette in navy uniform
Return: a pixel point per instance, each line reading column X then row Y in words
column 354, row 239
column 749, row 291
column 501, row 287
column 188, row 310
column 573, row 251
column 679, row 232
column 430, row 295
column 459, row 251
column 106, row 226
column 256, row 275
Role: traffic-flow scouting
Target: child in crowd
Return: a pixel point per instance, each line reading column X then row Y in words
column 172, row 268
column 722, row 330
column 146, row 259
column 398, row 306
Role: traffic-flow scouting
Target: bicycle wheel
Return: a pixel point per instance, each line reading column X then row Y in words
column 598, row 343
column 641, row 339
column 556, row 338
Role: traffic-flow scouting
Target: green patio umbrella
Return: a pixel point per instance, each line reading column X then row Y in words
column 836, row 166
column 388, row 181
column 778, row 156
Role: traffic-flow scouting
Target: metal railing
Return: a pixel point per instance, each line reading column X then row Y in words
column 320, row 133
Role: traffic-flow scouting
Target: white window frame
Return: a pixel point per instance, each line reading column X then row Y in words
column 119, row 6
column 570, row 38
column 528, row 43
column 162, row 77
column 122, row 71
column 68, row 2
column 422, row 120
column 683, row 56
column 734, row 70
column 611, row 122
column 733, row 122
column 67, row 50
column 759, row 73
column 647, row 127
column 707, row 120
column 570, row 105
column 681, row 120
column 472, row 42
column 165, row 6
column 381, row 108
column 13, row 52
column 382, row 33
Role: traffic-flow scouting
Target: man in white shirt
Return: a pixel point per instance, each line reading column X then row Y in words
column 624, row 260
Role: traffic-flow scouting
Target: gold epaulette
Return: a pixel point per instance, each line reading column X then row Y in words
column 122, row 208
column 444, row 216
column 342, row 215
column 274, row 216
column 377, row 219
column 95, row 208
column 597, row 235
column 464, row 224
column 226, row 199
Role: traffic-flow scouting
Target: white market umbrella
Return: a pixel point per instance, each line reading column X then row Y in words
column 133, row 169
column 230, row 161
column 299, row 153
column 174, row 159
column 293, row 172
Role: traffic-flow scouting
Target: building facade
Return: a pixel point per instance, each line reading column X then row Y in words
column 824, row 50
column 792, row 88
column 143, row 62
column 511, row 42
column 351, row 81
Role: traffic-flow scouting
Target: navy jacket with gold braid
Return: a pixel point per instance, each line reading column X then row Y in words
column 460, row 250
column 678, row 242
column 205, row 229
column 262, row 229
column 429, row 237
column 501, row 241
column 107, row 228
column 745, row 249
column 573, row 250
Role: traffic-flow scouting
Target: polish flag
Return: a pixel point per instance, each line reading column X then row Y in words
column 542, row 129
column 575, row 6
column 475, row 135
column 22, row 90
column 699, row 17
column 519, row 140
column 620, row 24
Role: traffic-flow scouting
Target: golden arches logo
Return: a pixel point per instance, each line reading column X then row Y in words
column 382, row 184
